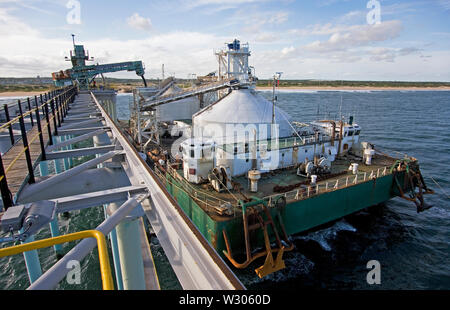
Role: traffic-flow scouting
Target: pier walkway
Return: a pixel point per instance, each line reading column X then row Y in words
column 29, row 149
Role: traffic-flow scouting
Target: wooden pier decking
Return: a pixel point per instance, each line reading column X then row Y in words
column 15, row 158
column 20, row 161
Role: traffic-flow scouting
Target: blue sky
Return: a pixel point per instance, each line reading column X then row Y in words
column 324, row 39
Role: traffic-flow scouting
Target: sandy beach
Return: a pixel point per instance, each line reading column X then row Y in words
column 21, row 94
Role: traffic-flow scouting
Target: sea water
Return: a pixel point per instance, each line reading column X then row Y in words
column 413, row 249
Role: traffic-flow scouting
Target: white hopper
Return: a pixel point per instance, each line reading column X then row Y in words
column 241, row 107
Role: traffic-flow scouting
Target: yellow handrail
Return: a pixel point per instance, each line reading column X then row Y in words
column 105, row 268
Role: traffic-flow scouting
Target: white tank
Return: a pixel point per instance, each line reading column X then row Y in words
column 313, row 179
column 245, row 108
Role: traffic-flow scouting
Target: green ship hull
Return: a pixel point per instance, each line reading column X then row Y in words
column 297, row 216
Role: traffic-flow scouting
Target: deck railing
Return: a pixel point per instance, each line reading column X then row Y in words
column 329, row 186
column 213, row 203
column 209, row 201
column 57, row 102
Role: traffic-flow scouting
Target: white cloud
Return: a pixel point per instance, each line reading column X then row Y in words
column 318, row 29
column 328, row 59
column 288, row 50
column 390, row 54
column 254, row 22
column 266, row 37
column 445, row 4
column 330, row 2
column 191, row 4
column 43, row 55
column 352, row 16
column 408, row 50
column 278, row 18
column 355, row 43
column 218, row 8
column 354, row 36
column 11, row 25
column 383, row 54
column 140, row 23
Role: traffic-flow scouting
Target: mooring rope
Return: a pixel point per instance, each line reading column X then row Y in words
column 443, row 191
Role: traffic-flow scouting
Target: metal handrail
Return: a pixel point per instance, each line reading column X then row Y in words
column 17, row 118
column 24, row 149
column 331, row 185
column 62, row 100
column 190, row 190
column 293, row 194
column 105, row 268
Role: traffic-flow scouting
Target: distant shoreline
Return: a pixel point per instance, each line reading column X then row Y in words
column 262, row 88
column 21, row 93
column 344, row 88
column 361, row 88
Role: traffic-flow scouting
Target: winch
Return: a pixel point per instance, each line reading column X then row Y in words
column 23, row 221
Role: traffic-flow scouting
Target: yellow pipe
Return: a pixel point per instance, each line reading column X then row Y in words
column 105, row 267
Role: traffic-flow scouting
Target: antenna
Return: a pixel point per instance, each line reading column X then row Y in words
column 276, row 80
column 73, row 39
column 318, row 106
column 340, row 107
